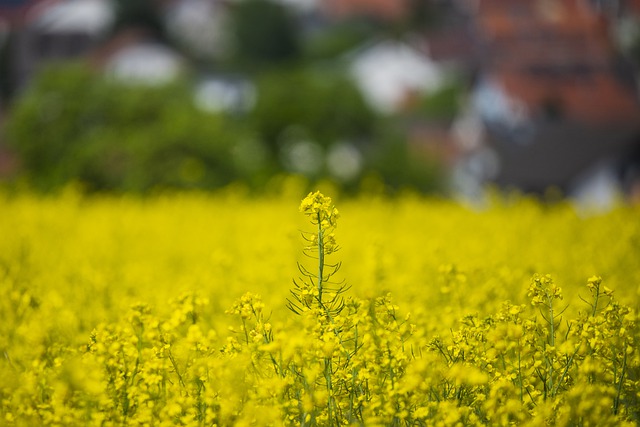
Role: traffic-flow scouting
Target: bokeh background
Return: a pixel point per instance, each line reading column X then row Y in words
column 443, row 97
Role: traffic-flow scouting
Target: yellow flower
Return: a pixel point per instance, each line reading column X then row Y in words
column 320, row 210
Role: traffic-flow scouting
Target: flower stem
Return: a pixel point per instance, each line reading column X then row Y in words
column 320, row 257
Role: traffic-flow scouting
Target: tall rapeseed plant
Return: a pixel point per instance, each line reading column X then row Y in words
column 345, row 356
column 321, row 300
column 316, row 289
column 359, row 350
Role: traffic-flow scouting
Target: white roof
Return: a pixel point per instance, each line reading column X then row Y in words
column 145, row 63
column 200, row 24
column 386, row 71
column 87, row 16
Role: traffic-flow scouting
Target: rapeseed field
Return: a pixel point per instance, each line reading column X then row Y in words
column 228, row 309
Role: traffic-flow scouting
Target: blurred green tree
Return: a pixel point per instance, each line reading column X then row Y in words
column 319, row 109
column 73, row 125
column 398, row 166
column 444, row 103
column 322, row 102
column 264, row 33
column 339, row 38
column 139, row 13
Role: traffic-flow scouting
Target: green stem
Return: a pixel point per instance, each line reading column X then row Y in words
column 566, row 370
column 552, row 343
column 246, row 334
column 595, row 302
column 520, row 372
column 331, row 401
column 175, row 367
column 616, row 402
column 320, row 257
column 552, row 337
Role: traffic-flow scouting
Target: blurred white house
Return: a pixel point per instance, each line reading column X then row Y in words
column 389, row 72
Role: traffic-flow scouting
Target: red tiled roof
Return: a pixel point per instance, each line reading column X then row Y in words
column 555, row 54
column 448, row 45
column 521, row 18
column 633, row 6
column 594, row 96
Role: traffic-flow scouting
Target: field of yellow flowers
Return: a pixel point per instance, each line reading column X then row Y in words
column 226, row 309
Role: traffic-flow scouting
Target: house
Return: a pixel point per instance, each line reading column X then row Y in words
column 11, row 11
column 554, row 102
column 54, row 30
column 133, row 55
column 34, row 33
column 390, row 72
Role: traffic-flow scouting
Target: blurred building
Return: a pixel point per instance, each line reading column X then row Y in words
column 389, row 73
column 51, row 30
column 554, row 103
column 133, row 56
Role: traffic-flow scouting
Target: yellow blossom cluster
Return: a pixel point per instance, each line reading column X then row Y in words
column 320, row 210
column 179, row 309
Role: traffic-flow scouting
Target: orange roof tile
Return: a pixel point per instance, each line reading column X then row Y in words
column 595, row 96
column 555, row 54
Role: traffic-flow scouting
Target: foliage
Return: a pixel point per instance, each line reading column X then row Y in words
column 470, row 335
column 313, row 111
column 443, row 104
column 72, row 125
column 138, row 14
column 264, row 33
column 339, row 38
column 325, row 105
column 400, row 167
